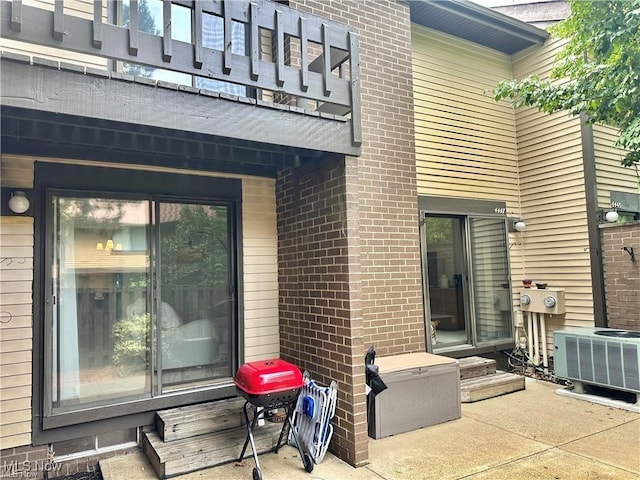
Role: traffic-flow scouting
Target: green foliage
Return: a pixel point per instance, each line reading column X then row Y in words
column 596, row 73
column 131, row 344
column 194, row 250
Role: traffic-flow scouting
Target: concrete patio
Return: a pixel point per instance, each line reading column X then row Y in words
column 536, row 433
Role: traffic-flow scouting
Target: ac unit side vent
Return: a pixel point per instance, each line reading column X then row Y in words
column 586, row 356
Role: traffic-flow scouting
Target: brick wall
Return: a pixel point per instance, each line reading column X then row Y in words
column 320, row 318
column 359, row 283
column 622, row 275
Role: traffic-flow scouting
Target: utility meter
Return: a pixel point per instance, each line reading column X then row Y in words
column 549, row 301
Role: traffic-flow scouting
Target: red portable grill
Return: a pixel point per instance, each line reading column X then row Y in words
column 270, row 384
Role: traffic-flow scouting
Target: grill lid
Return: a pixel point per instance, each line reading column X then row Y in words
column 268, row 376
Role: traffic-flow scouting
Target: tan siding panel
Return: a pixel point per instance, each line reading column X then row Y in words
column 553, row 199
column 16, row 303
column 260, row 269
column 611, row 175
column 465, row 141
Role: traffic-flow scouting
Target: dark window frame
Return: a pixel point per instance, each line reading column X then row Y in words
column 130, row 183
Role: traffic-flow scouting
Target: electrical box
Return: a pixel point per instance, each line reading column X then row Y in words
column 548, row 300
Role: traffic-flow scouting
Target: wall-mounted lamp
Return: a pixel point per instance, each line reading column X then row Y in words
column 516, row 225
column 19, row 203
column 608, row 216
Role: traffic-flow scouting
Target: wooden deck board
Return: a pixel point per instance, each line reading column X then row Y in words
column 183, row 422
column 203, row 451
column 499, row 383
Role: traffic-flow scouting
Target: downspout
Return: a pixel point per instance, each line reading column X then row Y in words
column 595, row 243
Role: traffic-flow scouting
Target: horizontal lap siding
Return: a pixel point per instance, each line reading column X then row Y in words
column 465, row 141
column 611, row 175
column 16, row 300
column 260, row 257
column 553, row 198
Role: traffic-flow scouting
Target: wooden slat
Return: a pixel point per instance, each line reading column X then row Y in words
column 304, row 54
column 133, row 27
column 167, row 42
column 227, row 51
column 58, row 20
column 472, row 367
column 198, row 40
column 481, row 388
column 16, row 16
column 97, row 24
column 184, row 422
column 191, row 454
column 254, row 52
column 279, row 34
column 354, row 78
column 326, row 60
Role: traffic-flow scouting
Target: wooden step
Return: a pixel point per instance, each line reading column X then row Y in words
column 183, row 422
column 472, row 367
column 208, row 450
column 489, row 386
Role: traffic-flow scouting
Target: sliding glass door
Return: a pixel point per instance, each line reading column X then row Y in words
column 140, row 298
column 466, row 271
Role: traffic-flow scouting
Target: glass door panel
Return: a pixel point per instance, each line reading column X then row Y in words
column 446, row 271
column 492, row 297
column 195, row 307
column 100, row 350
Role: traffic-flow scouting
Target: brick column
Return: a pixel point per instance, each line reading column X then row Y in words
column 359, row 282
column 622, row 274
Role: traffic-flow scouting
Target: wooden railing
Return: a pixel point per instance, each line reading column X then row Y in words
column 328, row 83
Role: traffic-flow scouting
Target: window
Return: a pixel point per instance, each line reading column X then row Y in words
column 140, row 290
column 466, row 273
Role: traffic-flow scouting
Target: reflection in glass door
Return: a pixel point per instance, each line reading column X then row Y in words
column 446, row 266
column 195, row 298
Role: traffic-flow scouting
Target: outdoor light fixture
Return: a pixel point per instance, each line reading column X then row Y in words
column 516, row 225
column 611, row 216
column 18, row 203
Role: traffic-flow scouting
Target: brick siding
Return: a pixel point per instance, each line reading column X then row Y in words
column 622, row 275
column 359, row 283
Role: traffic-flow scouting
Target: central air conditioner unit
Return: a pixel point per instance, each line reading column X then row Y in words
column 598, row 356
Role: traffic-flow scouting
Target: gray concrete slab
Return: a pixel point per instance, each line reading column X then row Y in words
column 532, row 434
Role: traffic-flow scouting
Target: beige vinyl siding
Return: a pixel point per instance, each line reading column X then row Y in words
column 465, row 141
column 553, row 199
column 78, row 8
column 610, row 174
column 260, row 244
column 16, row 332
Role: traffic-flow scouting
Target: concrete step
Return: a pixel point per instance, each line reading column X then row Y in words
column 192, row 420
column 488, row 386
column 472, row 367
column 177, row 457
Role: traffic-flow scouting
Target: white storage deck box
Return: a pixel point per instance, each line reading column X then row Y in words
column 423, row 390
